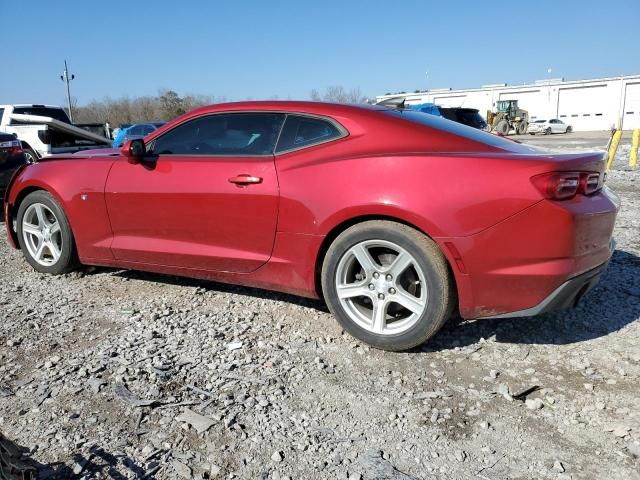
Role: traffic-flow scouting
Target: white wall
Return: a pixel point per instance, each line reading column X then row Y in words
column 586, row 105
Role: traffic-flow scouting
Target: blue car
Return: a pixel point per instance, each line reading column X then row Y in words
column 138, row 130
column 466, row 116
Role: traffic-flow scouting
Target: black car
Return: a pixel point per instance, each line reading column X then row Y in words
column 466, row 116
column 11, row 157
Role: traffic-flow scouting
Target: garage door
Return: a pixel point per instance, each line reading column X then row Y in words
column 450, row 100
column 631, row 114
column 584, row 108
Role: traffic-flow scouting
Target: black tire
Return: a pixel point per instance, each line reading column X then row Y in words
column 30, row 155
column 441, row 290
column 547, row 131
column 568, row 130
column 68, row 259
column 502, row 128
column 522, row 128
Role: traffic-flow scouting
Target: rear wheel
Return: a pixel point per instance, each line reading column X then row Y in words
column 387, row 284
column 568, row 130
column 522, row 128
column 30, row 155
column 547, row 131
column 44, row 234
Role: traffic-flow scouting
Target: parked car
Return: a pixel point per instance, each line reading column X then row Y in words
column 395, row 217
column 11, row 157
column 466, row 116
column 548, row 127
column 138, row 130
column 46, row 129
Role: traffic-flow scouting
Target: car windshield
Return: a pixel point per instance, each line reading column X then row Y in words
column 540, row 121
column 459, row 129
column 55, row 113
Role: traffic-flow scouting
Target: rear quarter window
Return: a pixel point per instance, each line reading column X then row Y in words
column 300, row 131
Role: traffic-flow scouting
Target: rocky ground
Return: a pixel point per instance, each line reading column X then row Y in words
column 116, row 374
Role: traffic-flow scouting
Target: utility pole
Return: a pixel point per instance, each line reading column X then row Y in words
column 66, row 79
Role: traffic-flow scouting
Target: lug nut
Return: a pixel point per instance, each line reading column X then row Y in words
column 376, row 275
column 381, row 296
column 389, row 277
column 372, row 286
column 392, row 291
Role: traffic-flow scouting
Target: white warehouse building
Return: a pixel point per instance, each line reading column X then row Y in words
column 596, row 104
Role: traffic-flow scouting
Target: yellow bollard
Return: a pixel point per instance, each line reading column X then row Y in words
column 613, row 148
column 633, row 156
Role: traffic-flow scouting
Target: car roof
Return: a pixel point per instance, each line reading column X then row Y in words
column 29, row 105
column 318, row 108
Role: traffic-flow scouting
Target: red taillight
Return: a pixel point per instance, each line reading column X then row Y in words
column 589, row 183
column 14, row 147
column 566, row 185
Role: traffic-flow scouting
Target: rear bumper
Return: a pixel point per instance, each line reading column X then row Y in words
column 565, row 297
column 529, row 262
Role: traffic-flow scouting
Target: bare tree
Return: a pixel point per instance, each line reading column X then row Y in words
column 338, row 94
column 163, row 107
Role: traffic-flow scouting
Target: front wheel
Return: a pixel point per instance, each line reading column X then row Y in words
column 44, row 234
column 387, row 284
column 547, row 131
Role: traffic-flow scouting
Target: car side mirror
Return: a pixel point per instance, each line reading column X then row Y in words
column 134, row 150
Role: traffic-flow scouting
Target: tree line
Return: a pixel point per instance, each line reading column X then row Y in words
column 168, row 104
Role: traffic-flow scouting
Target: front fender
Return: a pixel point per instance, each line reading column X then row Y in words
column 78, row 187
column 12, row 236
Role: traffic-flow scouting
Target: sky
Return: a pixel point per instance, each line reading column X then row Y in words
column 283, row 49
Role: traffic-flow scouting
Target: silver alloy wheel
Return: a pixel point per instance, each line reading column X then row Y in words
column 30, row 158
column 381, row 287
column 42, row 234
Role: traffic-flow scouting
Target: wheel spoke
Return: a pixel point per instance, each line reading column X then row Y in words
column 31, row 229
column 54, row 250
column 400, row 264
column 408, row 301
column 353, row 290
column 39, row 251
column 364, row 258
column 55, row 227
column 379, row 321
column 42, row 218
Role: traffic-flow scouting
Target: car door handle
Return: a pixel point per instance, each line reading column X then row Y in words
column 245, row 179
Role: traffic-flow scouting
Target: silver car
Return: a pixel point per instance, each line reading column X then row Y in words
column 548, row 127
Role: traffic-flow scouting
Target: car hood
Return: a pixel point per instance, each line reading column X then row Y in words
column 96, row 152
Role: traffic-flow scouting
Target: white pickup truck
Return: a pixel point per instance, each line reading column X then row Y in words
column 46, row 129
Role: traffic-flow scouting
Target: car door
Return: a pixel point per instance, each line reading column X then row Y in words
column 205, row 197
column 554, row 126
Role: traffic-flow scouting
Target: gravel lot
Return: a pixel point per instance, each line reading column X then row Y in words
column 116, row 374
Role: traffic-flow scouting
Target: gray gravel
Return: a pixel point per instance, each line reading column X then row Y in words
column 116, row 374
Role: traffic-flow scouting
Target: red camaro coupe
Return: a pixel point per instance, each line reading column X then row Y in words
column 396, row 218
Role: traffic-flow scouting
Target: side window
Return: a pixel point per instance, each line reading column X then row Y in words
column 300, row 131
column 222, row 134
column 137, row 130
column 1, row 113
column 147, row 129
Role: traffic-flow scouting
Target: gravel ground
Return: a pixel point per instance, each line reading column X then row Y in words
column 116, row 374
